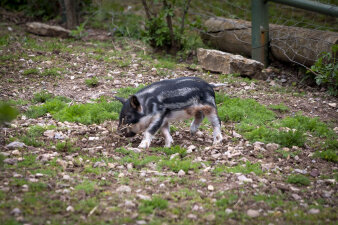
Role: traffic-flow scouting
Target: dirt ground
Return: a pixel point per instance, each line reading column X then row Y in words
column 98, row 183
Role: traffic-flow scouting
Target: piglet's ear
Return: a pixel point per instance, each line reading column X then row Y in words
column 134, row 102
column 122, row 100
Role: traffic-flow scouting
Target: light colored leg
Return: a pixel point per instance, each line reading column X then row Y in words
column 145, row 143
column 196, row 122
column 216, row 124
column 167, row 137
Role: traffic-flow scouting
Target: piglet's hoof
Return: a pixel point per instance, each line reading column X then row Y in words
column 144, row 144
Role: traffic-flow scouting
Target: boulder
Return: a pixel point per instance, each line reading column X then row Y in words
column 227, row 63
column 47, row 30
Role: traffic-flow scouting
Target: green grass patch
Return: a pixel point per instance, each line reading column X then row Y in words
column 246, row 111
column 32, row 135
column 92, row 82
column 29, row 161
column 66, row 146
column 298, row 179
column 86, row 205
column 245, row 168
column 4, row 40
column 42, row 96
column 31, row 71
column 54, row 71
column 148, row 206
column 271, row 200
column 176, row 165
column 172, row 150
column 328, row 155
column 7, row 112
column 287, row 154
column 37, row 186
column 128, row 91
column 88, row 113
column 226, row 200
column 86, row 186
column 280, row 107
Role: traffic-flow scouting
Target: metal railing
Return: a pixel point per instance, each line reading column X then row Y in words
column 260, row 22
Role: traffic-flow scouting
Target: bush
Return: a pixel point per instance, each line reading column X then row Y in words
column 326, row 71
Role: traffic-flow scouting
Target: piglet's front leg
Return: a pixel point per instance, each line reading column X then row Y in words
column 145, row 143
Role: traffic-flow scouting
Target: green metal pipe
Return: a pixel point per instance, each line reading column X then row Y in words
column 260, row 31
column 329, row 10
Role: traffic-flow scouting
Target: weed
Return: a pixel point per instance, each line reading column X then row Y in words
column 226, row 201
column 148, row 206
column 128, row 91
column 37, row 186
column 246, row 168
column 7, row 112
column 4, row 40
column 326, row 70
column 287, row 154
column 52, row 72
column 272, row 200
column 329, row 155
column 87, row 186
column 51, row 106
column 31, row 71
column 66, row 146
column 29, row 161
column 280, row 107
column 177, row 165
column 79, row 32
column 92, row 82
column 2, row 158
column 86, row 205
column 298, row 179
column 172, row 150
column 30, row 138
column 42, row 96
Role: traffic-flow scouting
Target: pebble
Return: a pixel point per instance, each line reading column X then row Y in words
column 16, row 212
column 300, row 171
column 236, row 135
column 192, row 216
column 93, row 138
column 333, row 105
column 16, row 153
column 143, row 197
column 70, row 209
column 314, row 211
column 210, row 217
column 124, row 188
column 66, row 177
column 228, row 211
column 243, row 178
column 296, row 197
column 272, row 147
column 10, row 161
column 181, row 173
column 210, row 187
column 141, row 222
column 15, row 144
column 49, row 133
column 252, row 213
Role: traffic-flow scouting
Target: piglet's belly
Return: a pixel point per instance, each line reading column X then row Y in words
column 190, row 112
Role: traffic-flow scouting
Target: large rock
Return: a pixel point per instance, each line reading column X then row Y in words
column 47, row 30
column 223, row 62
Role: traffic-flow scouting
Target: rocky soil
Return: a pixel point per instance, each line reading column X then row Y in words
column 103, row 178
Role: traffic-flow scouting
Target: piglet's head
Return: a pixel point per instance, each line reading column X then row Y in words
column 130, row 115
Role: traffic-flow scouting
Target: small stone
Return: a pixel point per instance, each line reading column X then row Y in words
column 243, row 178
column 143, row 197
column 199, row 134
column 66, row 177
column 39, row 175
column 210, row 217
column 296, row 157
column 129, row 203
column 333, row 105
column 228, row 211
column 10, row 161
column 16, row 212
column 141, row 222
column 124, row 188
column 314, row 211
column 93, row 138
column 252, row 213
column 174, row 155
column 192, row 216
column 236, row 135
column 272, row 147
column 191, row 148
column 16, row 153
column 210, row 187
column 70, row 209
column 15, row 144
column 49, row 133
column 181, row 173
column 296, row 197
column 283, row 80
column 62, row 163
column 300, row 171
